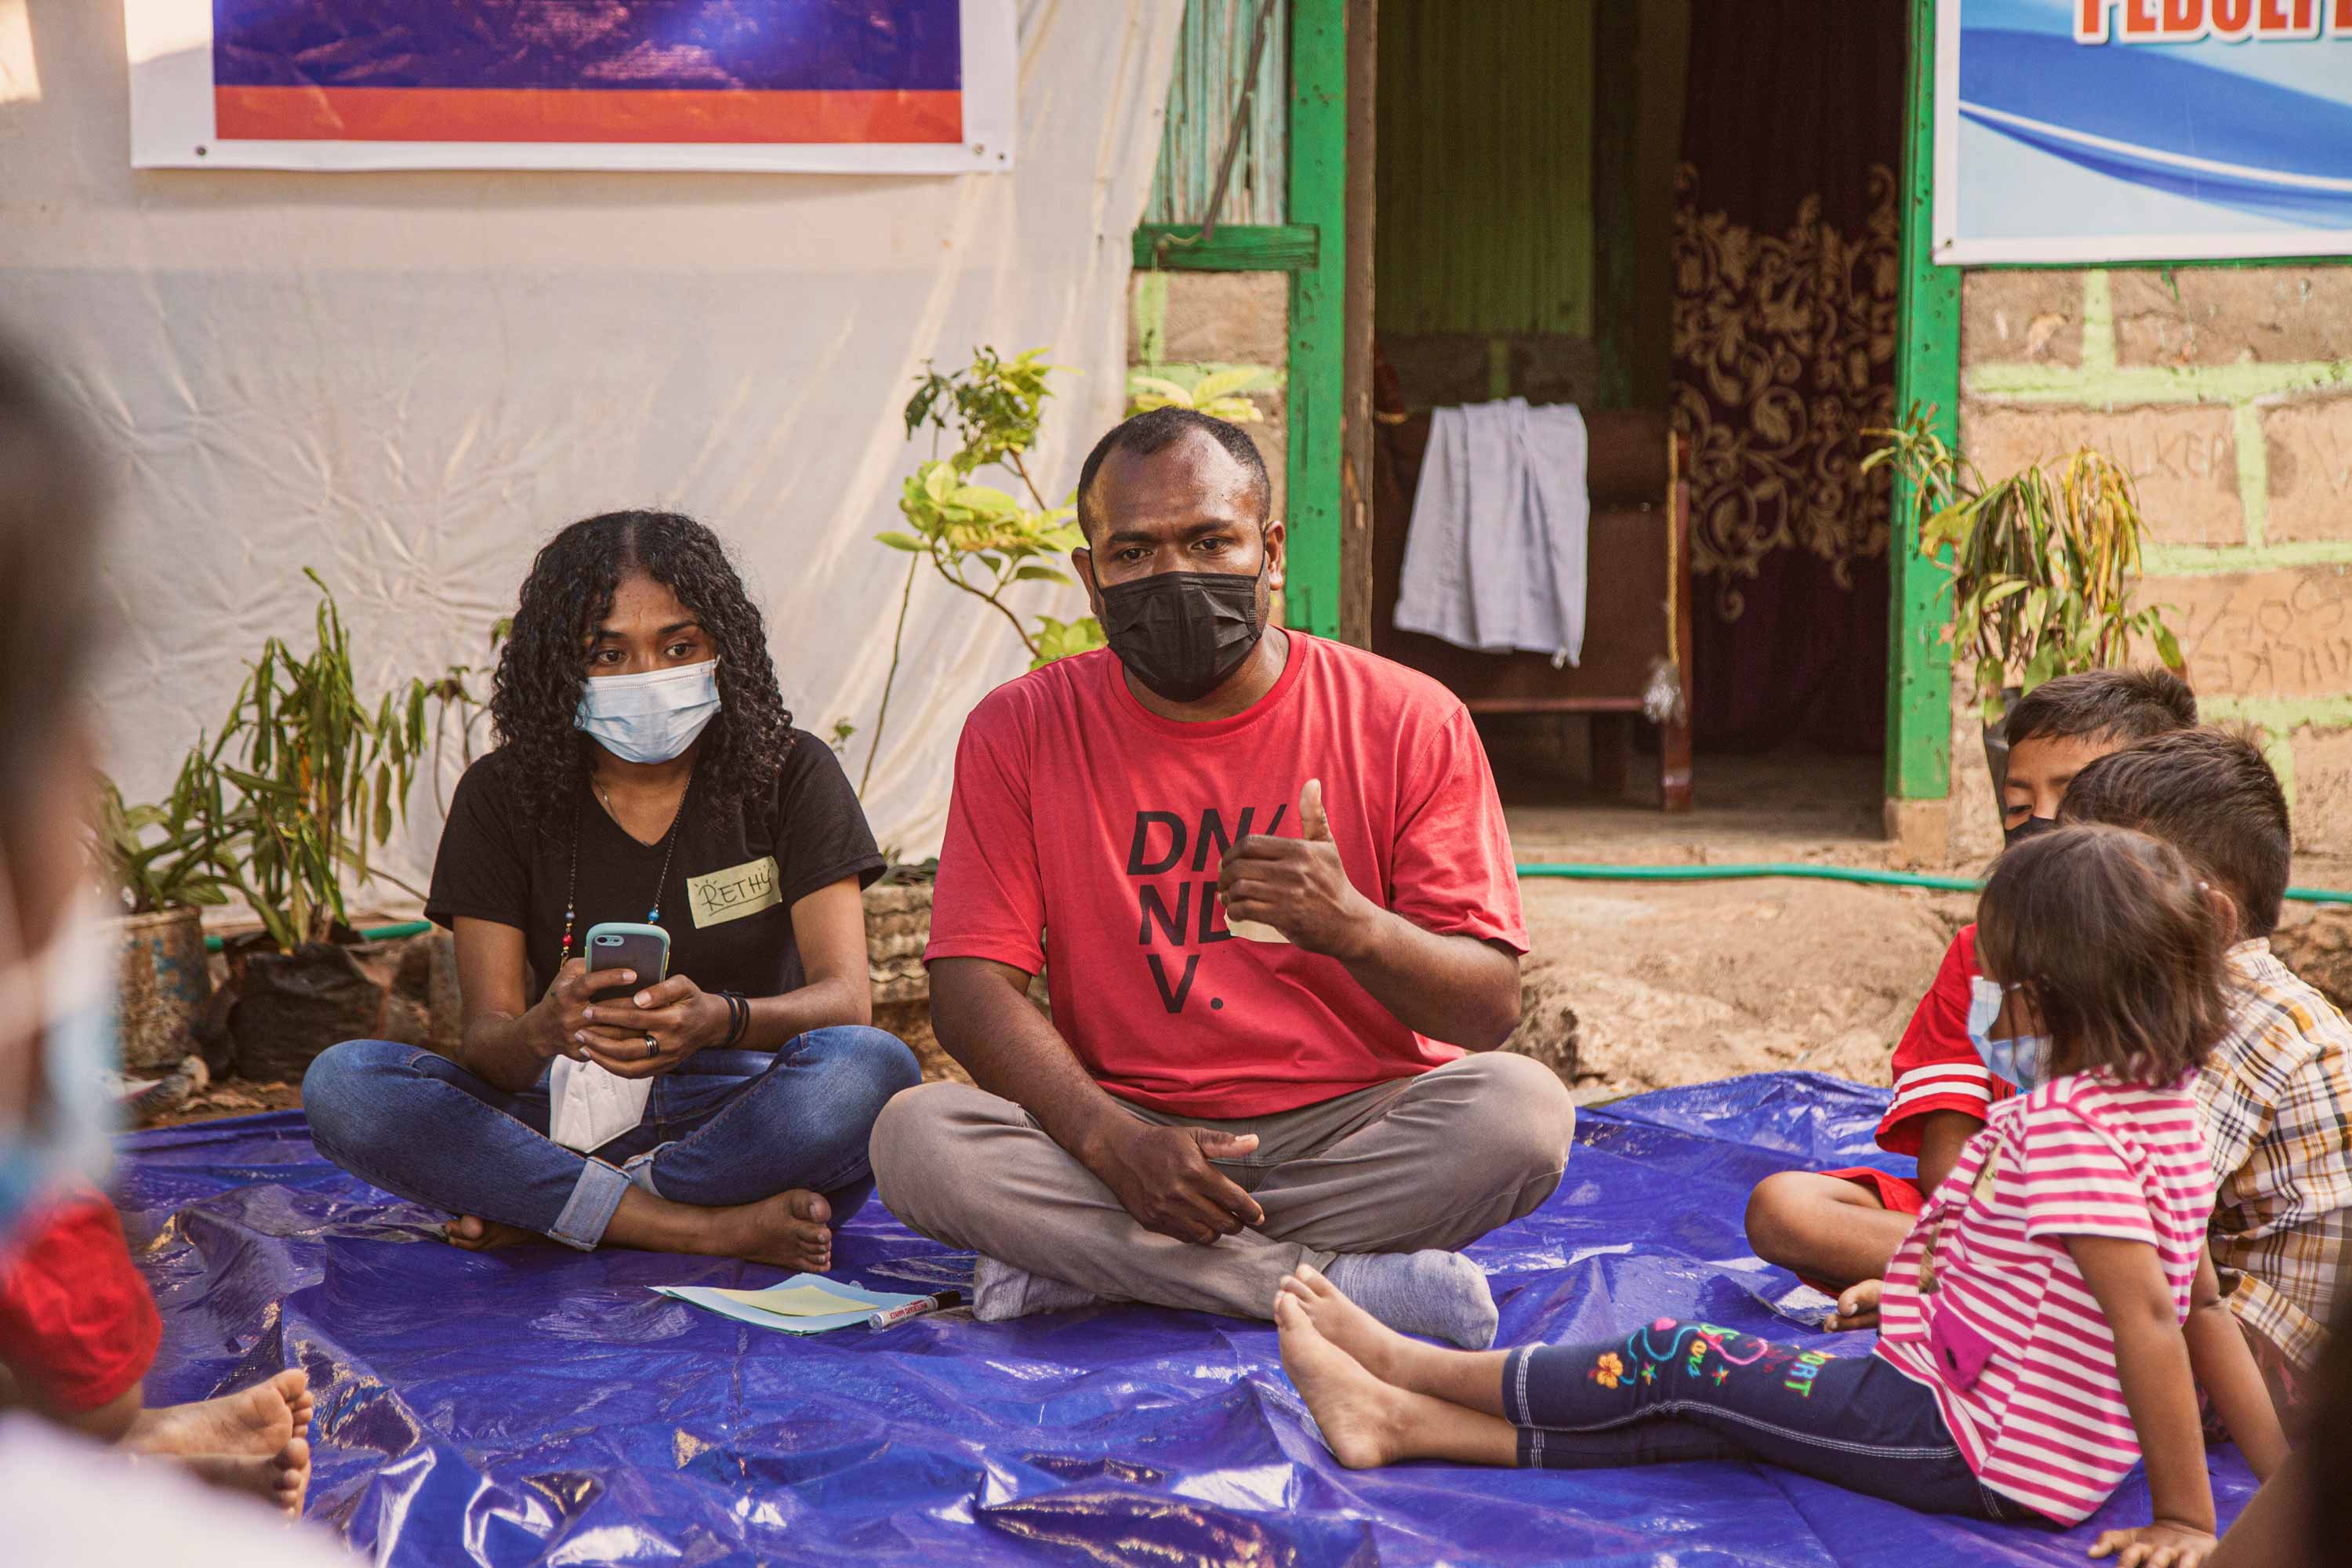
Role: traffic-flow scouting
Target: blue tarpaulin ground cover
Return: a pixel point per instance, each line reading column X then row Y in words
column 542, row 1405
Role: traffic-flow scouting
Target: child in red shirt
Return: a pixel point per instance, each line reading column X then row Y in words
column 1835, row 1228
column 79, row 1331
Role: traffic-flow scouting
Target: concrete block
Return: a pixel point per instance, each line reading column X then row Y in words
column 2021, row 317
column 2322, row 790
column 2285, row 633
column 1975, row 810
column 1242, row 318
column 2185, row 459
column 2309, row 447
column 2228, row 315
column 1919, row 832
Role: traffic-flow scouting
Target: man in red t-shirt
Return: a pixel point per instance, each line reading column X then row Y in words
column 1210, row 1108
column 1839, row 1227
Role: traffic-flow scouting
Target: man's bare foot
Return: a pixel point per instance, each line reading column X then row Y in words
column 282, row 1479
column 1355, row 1409
column 477, row 1235
column 791, row 1230
column 257, row 1420
column 1371, row 1344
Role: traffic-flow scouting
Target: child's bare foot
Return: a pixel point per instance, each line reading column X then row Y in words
column 477, row 1235
column 281, row 1479
column 1371, row 1344
column 1354, row 1408
column 791, row 1230
column 257, row 1420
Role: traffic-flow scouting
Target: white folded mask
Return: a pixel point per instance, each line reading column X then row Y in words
column 588, row 1107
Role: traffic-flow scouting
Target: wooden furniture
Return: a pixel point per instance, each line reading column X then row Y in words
column 1637, row 629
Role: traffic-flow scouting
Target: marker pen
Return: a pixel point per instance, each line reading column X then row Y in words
column 915, row 1308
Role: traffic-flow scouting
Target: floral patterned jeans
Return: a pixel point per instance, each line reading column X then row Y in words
column 1680, row 1391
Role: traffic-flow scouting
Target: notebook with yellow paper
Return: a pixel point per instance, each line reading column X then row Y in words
column 804, row 1304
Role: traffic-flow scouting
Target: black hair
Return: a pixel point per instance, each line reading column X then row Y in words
column 2212, row 795
column 2123, row 705
column 1159, row 428
column 542, row 667
column 2110, row 934
column 51, row 503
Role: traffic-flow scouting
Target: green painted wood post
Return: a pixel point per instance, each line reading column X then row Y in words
column 1318, row 199
column 1926, row 375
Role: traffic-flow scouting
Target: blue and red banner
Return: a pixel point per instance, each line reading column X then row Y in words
column 2142, row 130
column 650, row 75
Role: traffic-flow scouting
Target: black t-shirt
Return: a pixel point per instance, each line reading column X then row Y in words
column 727, row 902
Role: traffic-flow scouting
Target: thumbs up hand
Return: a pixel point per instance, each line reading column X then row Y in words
column 1299, row 887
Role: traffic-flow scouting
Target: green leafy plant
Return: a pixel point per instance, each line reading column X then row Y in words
column 1217, row 395
column 2045, row 561
column 980, row 538
column 453, row 696
column 175, row 854
column 321, row 776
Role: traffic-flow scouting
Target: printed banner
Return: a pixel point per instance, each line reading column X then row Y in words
column 2142, row 130
column 864, row 86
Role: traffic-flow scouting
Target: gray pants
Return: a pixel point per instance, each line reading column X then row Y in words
column 1435, row 1161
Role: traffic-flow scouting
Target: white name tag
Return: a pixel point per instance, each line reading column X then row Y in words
column 731, row 894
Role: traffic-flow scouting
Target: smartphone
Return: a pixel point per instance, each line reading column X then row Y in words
column 616, row 944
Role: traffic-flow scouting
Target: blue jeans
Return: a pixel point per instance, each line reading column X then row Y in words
column 1679, row 1391
column 726, row 1127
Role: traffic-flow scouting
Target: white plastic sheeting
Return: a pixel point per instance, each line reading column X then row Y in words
column 409, row 380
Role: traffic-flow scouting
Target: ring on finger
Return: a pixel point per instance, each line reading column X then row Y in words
column 652, row 1046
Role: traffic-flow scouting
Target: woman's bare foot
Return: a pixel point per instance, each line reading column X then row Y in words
column 791, row 1230
column 281, row 1479
column 258, row 1421
column 1356, row 1410
column 1371, row 1344
column 477, row 1235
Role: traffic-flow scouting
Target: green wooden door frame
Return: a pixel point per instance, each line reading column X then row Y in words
column 1318, row 200
column 1926, row 378
column 1313, row 249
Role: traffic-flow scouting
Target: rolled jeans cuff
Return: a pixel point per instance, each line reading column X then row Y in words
column 590, row 1208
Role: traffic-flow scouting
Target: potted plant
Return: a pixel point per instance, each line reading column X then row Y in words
column 981, row 540
column 161, row 866
column 2044, row 565
column 322, row 777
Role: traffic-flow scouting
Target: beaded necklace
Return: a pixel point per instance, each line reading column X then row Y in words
column 669, row 850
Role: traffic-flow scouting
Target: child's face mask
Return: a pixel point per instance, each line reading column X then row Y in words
column 2024, row 1059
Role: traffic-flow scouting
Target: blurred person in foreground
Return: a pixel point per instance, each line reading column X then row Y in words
column 73, row 1318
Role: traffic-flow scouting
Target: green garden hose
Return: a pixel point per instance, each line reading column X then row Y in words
column 1816, row 873
column 372, row 933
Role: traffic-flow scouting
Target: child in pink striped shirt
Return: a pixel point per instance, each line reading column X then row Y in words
column 2045, row 1326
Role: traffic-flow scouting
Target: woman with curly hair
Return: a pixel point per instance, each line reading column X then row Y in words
column 647, row 772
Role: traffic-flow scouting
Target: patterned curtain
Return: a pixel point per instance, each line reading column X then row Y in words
column 1785, row 254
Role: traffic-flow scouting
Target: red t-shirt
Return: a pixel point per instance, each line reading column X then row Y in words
column 1935, row 1067
column 75, row 1320
column 1080, row 814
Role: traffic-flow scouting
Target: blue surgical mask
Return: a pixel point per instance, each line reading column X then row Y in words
column 67, row 1137
column 2023, row 1060
column 653, row 717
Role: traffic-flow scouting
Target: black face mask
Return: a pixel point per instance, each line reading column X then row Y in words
column 2013, row 837
column 1182, row 633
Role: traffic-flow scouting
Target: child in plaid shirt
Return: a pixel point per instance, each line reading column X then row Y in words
column 2274, row 1099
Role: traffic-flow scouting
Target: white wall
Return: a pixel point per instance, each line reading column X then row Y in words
column 409, row 380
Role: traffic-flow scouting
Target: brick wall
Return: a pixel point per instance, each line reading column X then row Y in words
column 1181, row 326
column 2226, row 392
